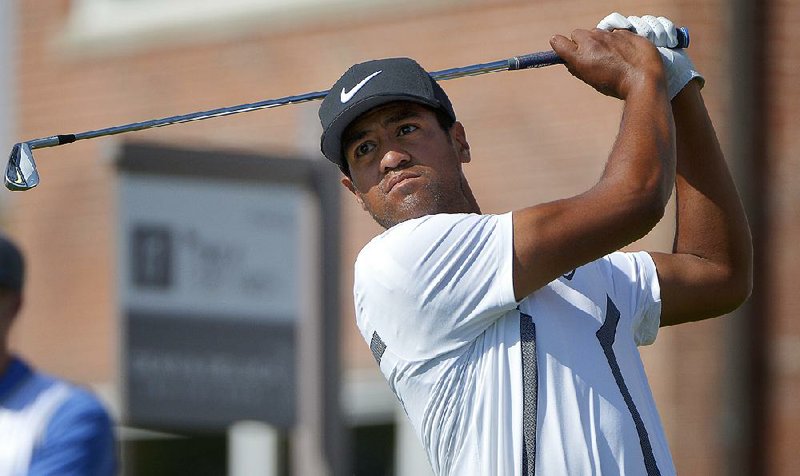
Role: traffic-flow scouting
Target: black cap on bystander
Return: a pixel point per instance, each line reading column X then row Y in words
column 12, row 265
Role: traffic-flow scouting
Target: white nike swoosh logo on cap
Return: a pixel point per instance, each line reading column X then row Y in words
column 348, row 95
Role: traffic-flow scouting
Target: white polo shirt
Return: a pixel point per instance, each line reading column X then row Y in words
column 551, row 385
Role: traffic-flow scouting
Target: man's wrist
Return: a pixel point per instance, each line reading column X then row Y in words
column 687, row 95
column 680, row 70
column 652, row 81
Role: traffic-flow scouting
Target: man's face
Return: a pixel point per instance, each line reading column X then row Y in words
column 403, row 165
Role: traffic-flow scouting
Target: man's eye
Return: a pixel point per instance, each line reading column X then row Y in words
column 406, row 129
column 364, row 148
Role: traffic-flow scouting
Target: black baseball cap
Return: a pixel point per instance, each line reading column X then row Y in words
column 12, row 265
column 371, row 84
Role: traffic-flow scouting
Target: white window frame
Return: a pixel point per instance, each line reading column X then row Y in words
column 117, row 26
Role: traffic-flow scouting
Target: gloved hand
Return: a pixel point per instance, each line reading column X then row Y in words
column 663, row 34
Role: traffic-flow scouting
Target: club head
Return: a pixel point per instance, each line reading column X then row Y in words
column 21, row 171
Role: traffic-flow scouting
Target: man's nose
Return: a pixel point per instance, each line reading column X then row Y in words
column 394, row 158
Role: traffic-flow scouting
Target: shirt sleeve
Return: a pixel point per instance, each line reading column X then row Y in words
column 430, row 285
column 79, row 440
column 635, row 288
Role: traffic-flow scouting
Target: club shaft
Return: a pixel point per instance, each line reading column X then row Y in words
column 60, row 139
column 533, row 60
column 541, row 59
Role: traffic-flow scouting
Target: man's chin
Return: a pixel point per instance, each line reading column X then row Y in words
column 409, row 209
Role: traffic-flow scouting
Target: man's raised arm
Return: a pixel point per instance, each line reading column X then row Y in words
column 710, row 271
column 552, row 238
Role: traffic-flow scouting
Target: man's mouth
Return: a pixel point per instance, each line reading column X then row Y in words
column 398, row 178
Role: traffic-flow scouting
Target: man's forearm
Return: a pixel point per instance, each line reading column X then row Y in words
column 711, row 224
column 644, row 153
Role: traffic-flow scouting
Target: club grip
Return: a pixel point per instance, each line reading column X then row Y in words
column 534, row 60
column 548, row 58
column 683, row 37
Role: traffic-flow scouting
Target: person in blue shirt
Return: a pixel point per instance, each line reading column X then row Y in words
column 47, row 426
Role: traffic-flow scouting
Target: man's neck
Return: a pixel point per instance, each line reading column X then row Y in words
column 466, row 190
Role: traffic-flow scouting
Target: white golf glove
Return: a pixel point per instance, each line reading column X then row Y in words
column 663, row 34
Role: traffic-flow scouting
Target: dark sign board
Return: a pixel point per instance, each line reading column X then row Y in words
column 208, row 371
column 222, row 257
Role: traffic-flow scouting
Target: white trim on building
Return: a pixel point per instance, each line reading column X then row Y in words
column 111, row 27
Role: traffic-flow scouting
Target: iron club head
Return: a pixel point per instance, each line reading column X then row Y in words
column 21, row 171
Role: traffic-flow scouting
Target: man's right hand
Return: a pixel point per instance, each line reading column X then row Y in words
column 615, row 63
column 662, row 33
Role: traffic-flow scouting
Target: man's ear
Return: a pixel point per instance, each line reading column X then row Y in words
column 349, row 185
column 459, row 136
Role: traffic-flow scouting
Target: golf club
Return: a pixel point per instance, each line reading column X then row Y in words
column 21, row 173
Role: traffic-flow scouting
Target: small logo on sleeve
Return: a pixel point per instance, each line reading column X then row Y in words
column 378, row 347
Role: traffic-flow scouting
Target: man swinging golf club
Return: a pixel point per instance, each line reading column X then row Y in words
column 511, row 340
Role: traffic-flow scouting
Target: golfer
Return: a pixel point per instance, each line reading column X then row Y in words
column 511, row 339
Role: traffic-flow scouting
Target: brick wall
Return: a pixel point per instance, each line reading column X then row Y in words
column 536, row 135
column 783, row 148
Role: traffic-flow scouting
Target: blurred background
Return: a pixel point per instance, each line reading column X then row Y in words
column 198, row 277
